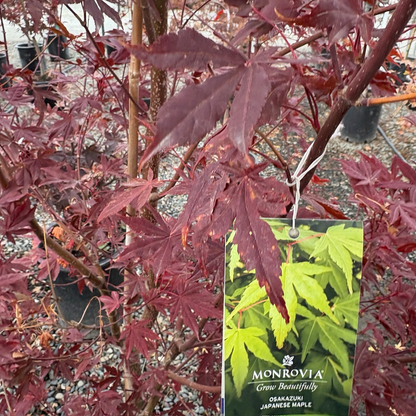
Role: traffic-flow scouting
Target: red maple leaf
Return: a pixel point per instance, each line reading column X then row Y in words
column 112, row 303
column 139, row 336
column 189, row 300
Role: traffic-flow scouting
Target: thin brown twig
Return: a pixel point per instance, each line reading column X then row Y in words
column 276, row 152
column 193, row 385
column 174, row 180
column 193, row 13
column 174, row 351
column 100, row 53
column 3, row 179
column 388, row 100
column 11, row 412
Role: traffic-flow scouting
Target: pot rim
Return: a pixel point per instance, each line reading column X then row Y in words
column 26, row 45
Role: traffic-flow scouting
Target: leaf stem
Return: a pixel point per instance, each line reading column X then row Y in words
column 276, row 152
column 103, row 58
column 254, row 304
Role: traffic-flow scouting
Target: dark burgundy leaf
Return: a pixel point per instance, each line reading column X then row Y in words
column 188, row 49
column 258, row 247
column 407, row 170
column 320, row 204
column 16, row 221
column 250, row 28
column 189, row 300
column 338, row 16
column 112, row 302
column 138, row 335
column 381, row 85
column 109, row 11
column 35, row 9
column 92, row 8
column 236, row 3
column 189, row 115
column 280, row 85
column 405, row 212
column 158, row 244
column 248, row 105
column 140, row 189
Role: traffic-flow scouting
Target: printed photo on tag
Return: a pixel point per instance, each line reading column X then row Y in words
column 302, row 365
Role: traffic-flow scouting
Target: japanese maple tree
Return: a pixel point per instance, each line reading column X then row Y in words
column 195, row 121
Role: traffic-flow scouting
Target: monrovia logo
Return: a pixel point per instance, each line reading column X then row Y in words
column 286, row 373
column 288, row 360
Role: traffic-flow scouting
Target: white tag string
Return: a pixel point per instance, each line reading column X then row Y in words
column 296, row 178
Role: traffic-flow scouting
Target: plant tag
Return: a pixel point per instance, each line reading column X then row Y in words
column 304, row 366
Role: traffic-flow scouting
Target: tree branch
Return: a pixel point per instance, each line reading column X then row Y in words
column 396, row 25
column 193, row 385
column 174, row 351
column 388, row 100
column 98, row 282
column 318, row 35
column 100, row 53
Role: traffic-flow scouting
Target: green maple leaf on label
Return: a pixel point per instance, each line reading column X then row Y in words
column 333, row 374
column 305, row 240
column 237, row 342
column 341, row 244
column 251, row 295
column 297, row 280
column 335, row 277
column 331, row 337
column 347, row 309
column 234, row 257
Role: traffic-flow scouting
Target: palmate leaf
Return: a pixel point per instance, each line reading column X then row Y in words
column 335, row 277
column 247, row 106
column 97, row 11
column 251, row 295
column 189, row 115
column 339, row 16
column 188, row 49
column 189, row 300
column 255, row 316
column 297, row 280
column 331, row 337
column 334, row 375
column 138, row 189
column 341, row 243
column 347, row 308
column 156, row 243
column 235, row 344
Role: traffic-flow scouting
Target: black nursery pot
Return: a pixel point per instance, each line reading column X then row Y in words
column 360, row 123
column 56, row 48
column 109, row 50
column 72, row 304
column 4, row 81
column 27, row 54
